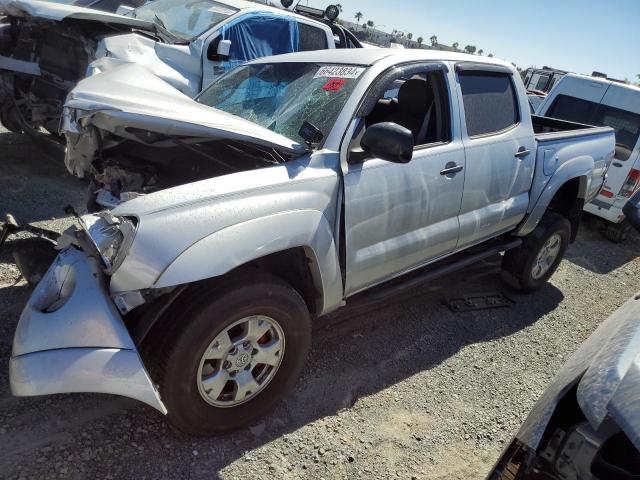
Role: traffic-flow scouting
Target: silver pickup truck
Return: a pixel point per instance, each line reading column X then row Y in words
column 333, row 179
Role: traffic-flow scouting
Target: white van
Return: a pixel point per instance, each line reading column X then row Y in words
column 599, row 101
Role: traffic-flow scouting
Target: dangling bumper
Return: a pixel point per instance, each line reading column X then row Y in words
column 71, row 338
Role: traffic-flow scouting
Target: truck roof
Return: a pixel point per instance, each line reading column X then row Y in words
column 603, row 81
column 370, row 56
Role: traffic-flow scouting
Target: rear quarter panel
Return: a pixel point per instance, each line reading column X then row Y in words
column 564, row 156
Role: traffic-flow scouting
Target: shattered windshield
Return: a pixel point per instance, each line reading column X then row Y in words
column 283, row 96
column 184, row 19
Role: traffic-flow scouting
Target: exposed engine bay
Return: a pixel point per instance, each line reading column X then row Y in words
column 157, row 162
column 41, row 60
column 47, row 59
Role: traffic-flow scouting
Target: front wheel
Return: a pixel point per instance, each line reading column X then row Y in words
column 235, row 353
column 528, row 267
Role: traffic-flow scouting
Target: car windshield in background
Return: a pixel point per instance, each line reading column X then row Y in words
column 282, row 96
column 184, row 19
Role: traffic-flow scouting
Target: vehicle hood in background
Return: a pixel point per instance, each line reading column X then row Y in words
column 58, row 12
column 606, row 369
column 129, row 99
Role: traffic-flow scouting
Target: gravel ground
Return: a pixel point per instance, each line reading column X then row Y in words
column 407, row 390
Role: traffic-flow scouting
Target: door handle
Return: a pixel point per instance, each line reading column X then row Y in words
column 451, row 168
column 522, row 152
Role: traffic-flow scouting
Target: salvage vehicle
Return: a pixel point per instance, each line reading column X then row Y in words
column 317, row 180
column 605, row 102
column 586, row 425
column 46, row 48
column 541, row 80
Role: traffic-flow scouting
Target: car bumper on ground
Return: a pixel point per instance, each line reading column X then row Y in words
column 71, row 338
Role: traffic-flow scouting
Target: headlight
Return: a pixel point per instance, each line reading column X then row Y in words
column 111, row 235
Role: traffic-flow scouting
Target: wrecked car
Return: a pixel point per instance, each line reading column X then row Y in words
column 46, row 48
column 320, row 180
column 586, row 425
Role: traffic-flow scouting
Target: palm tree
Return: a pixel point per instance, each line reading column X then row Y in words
column 480, row 52
column 455, row 46
column 371, row 26
column 434, row 41
column 409, row 36
column 358, row 16
column 420, row 40
column 470, row 49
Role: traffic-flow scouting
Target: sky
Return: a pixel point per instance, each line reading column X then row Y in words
column 579, row 36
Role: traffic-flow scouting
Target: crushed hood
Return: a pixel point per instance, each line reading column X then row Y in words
column 58, row 12
column 131, row 97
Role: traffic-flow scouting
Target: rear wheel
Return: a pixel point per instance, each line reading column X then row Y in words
column 528, row 267
column 233, row 354
column 617, row 232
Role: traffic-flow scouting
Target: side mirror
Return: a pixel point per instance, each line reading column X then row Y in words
column 219, row 50
column 388, row 141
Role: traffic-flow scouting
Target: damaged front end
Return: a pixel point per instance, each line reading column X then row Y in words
column 71, row 336
column 45, row 49
column 130, row 139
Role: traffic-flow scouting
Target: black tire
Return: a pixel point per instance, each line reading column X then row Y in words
column 617, row 232
column 202, row 316
column 518, row 264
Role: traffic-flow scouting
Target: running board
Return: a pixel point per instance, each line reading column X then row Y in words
column 429, row 273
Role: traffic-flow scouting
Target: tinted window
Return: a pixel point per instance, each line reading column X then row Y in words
column 626, row 124
column 542, row 82
column 572, row 109
column 311, row 38
column 489, row 102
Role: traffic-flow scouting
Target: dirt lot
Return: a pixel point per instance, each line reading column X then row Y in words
column 408, row 390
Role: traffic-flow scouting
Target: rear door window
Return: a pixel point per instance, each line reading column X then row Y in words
column 625, row 123
column 490, row 102
column 312, row 38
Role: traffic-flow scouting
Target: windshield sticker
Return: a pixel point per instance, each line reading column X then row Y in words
column 221, row 10
column 339, row 72
column 334, row 85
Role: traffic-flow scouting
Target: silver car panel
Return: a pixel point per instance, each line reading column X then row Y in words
column 83, row 370
column 70, row 337
column 586, row 160
column 400, row 216
column 225, row 211
column 610, row 385
column 70, row 308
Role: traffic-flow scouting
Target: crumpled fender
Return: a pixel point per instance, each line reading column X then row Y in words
column 221, row 252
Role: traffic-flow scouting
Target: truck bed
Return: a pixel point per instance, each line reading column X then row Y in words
column 544, row 126
column 559, row 142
